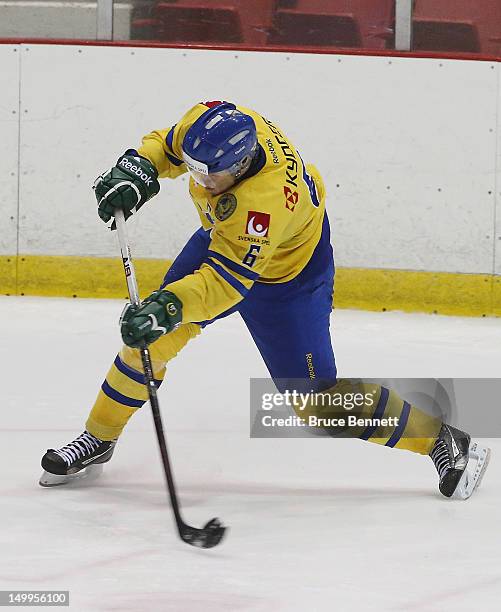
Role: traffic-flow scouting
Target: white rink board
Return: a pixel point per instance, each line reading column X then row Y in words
column 410, row 142
column 497, row 222
column 9, row 126
column 415, row 158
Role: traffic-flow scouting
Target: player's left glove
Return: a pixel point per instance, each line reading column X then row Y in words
column 159, row 314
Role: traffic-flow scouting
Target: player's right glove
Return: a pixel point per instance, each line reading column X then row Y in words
column 159, row 314
column 128, row 185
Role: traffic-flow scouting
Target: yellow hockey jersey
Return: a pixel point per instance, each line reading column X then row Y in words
column 264, row 228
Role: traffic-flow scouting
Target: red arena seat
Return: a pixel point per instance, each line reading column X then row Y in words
column 457, row 25
column 256, row 16
column 334, row 23
column 204, row 21
column 197, row 23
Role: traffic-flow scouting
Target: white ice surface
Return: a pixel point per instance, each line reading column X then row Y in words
column 316, row 524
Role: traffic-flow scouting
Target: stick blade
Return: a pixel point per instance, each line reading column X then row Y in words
column 207, row 537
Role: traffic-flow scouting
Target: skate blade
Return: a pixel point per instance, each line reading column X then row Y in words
column 474, row 472
column 55, row 480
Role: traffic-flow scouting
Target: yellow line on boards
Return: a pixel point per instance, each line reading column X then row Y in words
column 366, row 289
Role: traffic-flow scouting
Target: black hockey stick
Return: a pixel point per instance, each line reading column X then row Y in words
column 213, row 532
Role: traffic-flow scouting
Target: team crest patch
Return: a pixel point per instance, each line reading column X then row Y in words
column 225, row 206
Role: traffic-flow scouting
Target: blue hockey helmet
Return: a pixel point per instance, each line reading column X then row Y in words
column 223, row 139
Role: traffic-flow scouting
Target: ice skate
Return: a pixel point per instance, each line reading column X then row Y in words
column 460, row 463
column 81, row 458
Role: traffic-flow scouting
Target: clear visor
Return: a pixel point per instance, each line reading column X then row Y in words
column 214, row 180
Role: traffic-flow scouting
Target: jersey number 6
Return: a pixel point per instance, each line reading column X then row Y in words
column 310, row 183
column 251, row 255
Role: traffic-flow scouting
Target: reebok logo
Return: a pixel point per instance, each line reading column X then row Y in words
column 133, row 169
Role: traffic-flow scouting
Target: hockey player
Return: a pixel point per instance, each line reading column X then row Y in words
column 263, row 250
